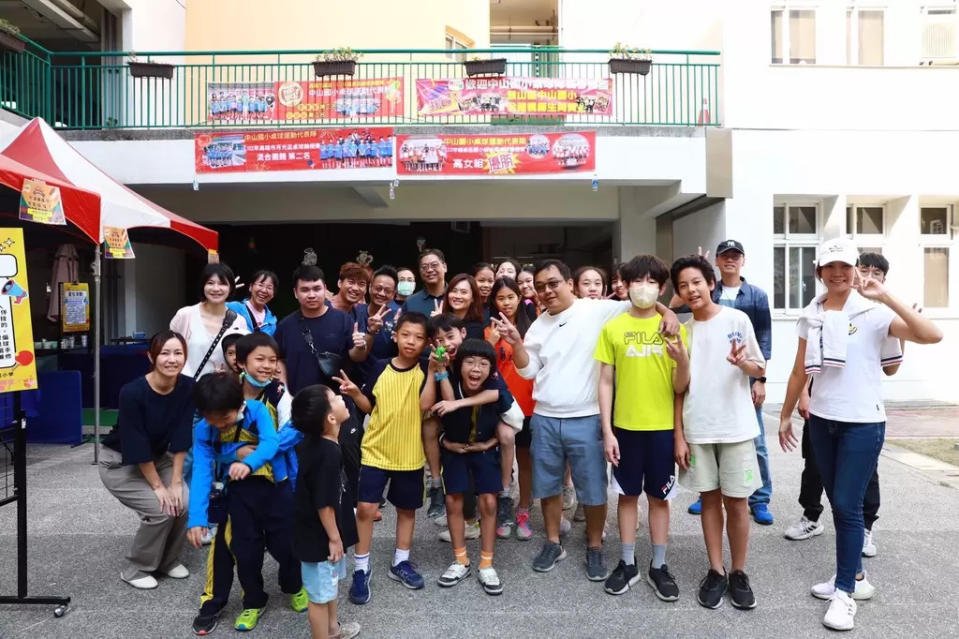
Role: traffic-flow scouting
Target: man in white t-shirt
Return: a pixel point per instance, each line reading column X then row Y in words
column 714, row 444
column 557, row 353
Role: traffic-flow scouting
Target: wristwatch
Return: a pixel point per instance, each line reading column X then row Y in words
column 761, row 380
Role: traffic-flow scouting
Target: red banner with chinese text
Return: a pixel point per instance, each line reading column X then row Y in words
column 515, row 96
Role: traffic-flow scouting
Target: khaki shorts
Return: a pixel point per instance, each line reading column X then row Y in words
column 730, row 467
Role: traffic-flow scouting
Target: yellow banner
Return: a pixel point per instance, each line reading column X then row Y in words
column 18, row 370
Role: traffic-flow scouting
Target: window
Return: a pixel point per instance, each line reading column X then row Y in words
column 456, row 41
column 934, row 220
column 793, row 32
column 936, row 244
column 795, row 231
column 864, row 36
column 866, row 224
column 939, row 33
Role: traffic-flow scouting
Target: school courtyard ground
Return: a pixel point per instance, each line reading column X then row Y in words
column 79, row 534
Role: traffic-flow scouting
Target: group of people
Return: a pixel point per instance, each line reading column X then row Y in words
column 289, row 436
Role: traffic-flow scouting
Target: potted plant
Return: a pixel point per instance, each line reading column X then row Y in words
column 485, row 66
column 624, row 59
column 149, row 69
column 10, row 37
column 341, row 61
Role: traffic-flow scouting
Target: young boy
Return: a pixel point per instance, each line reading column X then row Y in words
column 324, row 525
column 714, row 444
column 228, row 344
column 392, row 452
column 638, row 426
column 469, row 451
column 254, row 504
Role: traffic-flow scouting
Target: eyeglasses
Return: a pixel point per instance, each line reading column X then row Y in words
column 551, row 285
column 430, row 266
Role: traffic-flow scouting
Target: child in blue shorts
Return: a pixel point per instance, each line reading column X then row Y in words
column 323, row 522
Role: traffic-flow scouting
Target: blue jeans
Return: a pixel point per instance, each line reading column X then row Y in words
column 847, row 455
column 762, row 495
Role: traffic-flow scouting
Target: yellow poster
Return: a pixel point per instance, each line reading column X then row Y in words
column 75, row 307
column 118, row 243
column 18, row 370
column 40, row 202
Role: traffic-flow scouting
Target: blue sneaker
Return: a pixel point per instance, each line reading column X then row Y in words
column 696, row 508
column 762, row 515
column 406, row 574
column 360, row 590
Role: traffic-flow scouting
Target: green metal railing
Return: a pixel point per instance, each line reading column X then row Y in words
column 95, row 90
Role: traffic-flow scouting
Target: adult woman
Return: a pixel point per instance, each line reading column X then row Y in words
column 508, row 268
column 589, row 282
column 505, row 301
column 462, row 299
column 254, row 310
column 482, row 272
column 405, row 284
column 846, row 414
column 203, row 325
column 142, row 461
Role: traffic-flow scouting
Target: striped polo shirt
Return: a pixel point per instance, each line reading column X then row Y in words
column 393, row 436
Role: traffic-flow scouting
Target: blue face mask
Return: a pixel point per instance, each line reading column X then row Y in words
column 255, row 383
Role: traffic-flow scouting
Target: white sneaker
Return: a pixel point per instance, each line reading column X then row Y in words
column 804, row 529
column 472, row 532
column 826, row 590
column 439, row 521
column 490, row 581
column 179, row 571
column 146, row 582
column 842, row 612
column 456, row 573
column 868, row 547
column 569, row 497
column 564, row 526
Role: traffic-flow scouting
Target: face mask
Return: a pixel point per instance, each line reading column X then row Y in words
column 643, row 295
column 405, row 288
column 255, row 383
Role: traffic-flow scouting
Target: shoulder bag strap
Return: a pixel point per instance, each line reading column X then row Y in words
column 228, row 320
column 256, row 325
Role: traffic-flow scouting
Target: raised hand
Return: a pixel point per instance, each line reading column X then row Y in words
column 347, row 387
column 737, row 354
column 375, row 322
column 359, row 339
column 506, row 329
column 705, row 255
column 437, row 308
column 676, row 349
column 868, row 287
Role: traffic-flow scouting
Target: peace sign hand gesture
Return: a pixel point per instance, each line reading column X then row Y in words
column 676, row 349
column 868, row 287
column 437, row 308
column 375, row 322
column 737, row 354
column 347, row 387
column 506, row 329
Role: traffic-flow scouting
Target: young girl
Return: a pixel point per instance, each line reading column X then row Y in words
column 508, row 268
column 524, row 279
column 483, row 274
column 463, row 300
column 618, row 287
column 505, row 301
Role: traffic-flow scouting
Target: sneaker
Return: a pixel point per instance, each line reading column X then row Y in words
column 841, row 614
column 548, row 556
column 179, row 571
column 804, row 529
column 205, row 624
column 490, row 581
column 761, row 515
column 740, row 591
column 868, row 547
column 504, row 517
column 405, row 573
column 596, row 565
column 580, row 513
column 663, row 583
column 564, row 526
column 437, row 503
column 456, row 573
column 142, row 582
column 523, row 531
column 623, row 576
column 472, row 532
column 440, row 521
column 711, row 589
column 348, row 630
column 360, row 590
column 300, row 601
column 208, row 534
column 569, row 497
column 825, row 590
column 696, row 508
column 248, row 619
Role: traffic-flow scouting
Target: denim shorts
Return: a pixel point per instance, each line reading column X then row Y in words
column 321, row 579
column 578, row 440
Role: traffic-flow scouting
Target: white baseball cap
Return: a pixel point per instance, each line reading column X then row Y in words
column 840, row 249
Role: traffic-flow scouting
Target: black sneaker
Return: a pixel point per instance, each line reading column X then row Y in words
column 437, row 503
column 623, row 576
column 663, row 583
column 740, row 592
column 204, row 624
column 711, row 589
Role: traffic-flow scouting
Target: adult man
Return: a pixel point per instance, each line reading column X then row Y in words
column 558, row 355
column 735, row 292
column 428, row 300
column 350, row 298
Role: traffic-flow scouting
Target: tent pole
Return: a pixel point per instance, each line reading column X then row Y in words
column 96, row 355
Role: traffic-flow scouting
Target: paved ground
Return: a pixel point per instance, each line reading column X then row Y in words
column 79, row 534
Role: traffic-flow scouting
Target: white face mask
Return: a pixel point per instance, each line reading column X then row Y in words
column 643, row 295
column 405, row 288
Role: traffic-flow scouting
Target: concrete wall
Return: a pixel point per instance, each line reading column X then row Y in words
column 705, row 228
column 652, row 24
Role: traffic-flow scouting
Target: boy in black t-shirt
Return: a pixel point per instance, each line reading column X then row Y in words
column 323, row 522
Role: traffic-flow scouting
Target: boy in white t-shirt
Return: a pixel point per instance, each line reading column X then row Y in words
column 714, row 438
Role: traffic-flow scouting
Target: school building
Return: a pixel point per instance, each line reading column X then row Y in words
column 778, row 124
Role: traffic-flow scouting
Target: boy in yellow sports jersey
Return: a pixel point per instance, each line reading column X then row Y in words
column 392, row 451
column 638, row 426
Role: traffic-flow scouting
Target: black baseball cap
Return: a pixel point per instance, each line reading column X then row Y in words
column 729, row 245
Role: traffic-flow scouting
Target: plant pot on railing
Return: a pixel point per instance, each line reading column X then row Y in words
column 334, row 67
column 623, row 65
column 150, row 70
column 496, row 66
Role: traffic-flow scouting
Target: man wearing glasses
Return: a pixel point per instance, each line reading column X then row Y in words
column 429, row 300
column 558, row 354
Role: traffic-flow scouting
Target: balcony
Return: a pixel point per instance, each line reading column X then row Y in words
column 390, row 87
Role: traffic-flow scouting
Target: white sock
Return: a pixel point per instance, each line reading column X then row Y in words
column 399, row 556
column 361, row 562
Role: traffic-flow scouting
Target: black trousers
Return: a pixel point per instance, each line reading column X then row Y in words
column 810, row 489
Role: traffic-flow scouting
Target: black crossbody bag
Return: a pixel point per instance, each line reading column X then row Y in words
column 328, row 363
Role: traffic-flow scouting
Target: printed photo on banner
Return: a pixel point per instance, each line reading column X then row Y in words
column 551, row 97
column 40, row 202
column 496, row 154
column 294, row 150
column 18, row 369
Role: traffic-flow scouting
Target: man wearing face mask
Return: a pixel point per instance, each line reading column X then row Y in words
column 405, row 284
column 735, row 292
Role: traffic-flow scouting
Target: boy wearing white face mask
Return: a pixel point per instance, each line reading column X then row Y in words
column 648, row 370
